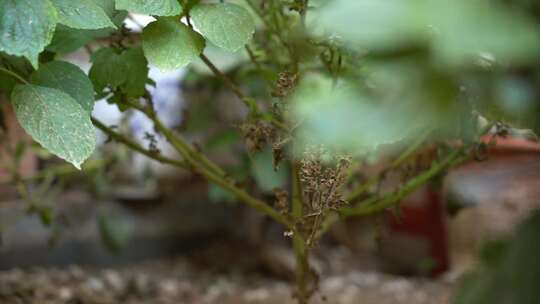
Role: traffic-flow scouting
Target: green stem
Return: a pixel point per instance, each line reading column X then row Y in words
column 375, row 204
column 299, row 244
column 297, row 199
column 136, row 147
column 14, row 75
column 248, row 101
column 236, row 90
column 211, row 171
column 363, row 188
column 272, row 30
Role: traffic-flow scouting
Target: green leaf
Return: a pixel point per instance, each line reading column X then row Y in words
column 153, row 7
column 169, row 44
column 81, row 14
column 346, row 115
column 508, row 270
column 262, row 170
column 107, row 69
column 107, row 6
column 56, row 121
column 464, row 30
column 16, row 64
column 67, row 40
column 226, row 25
column 7, row 83
column 115, row 229
column 127, row 71
column 137, row 72
column 68, row 78
column 373, row 24
column 457, row 32
column 26, row 27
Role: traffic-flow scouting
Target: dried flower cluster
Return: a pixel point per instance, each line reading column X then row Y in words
column 285, row 84
column 321, row 183
column 282, row 200
column 257, row 134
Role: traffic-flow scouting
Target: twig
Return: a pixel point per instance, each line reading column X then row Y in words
column 375, row 204
column 236, row 90
column 301, row 251
column 356, row 193
column 13, row 74
column 211, row 171
column 136, row 147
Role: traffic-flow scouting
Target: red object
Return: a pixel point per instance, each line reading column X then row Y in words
column 422, row 217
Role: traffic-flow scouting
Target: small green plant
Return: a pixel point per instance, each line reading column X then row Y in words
column 326, row 85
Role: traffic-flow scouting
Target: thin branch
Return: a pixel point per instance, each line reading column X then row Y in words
column 136, row 147
column 211, row 171
column 179, row 143
column 236, row 90
column 13, row 74
column 248, row 101
column 407, row 153
column 267, row 24
column 299, row 244
column 375, row 204
column 297, row 199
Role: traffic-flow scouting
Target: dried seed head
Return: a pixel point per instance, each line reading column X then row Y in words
column 282, row 200
column 257, row 134
column 285, row 84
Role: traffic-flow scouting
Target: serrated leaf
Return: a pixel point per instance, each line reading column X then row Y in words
column 56, row 121
column 68, row 78
column 26, row 27
column 81, row 14
column 226, row 25
column 107, row 69
column 154, row 7
column 170, row 44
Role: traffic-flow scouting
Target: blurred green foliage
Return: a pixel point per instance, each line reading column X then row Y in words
column 408, row 66
column 509, row 271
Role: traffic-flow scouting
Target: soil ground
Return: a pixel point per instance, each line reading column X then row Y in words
column 180, row 280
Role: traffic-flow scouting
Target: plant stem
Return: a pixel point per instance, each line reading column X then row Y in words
column 299, row 244
column 211, row 171
column 267, row 24
column 302, row 270
column 179, row 143
column 14, row 75
column 136, row 147
column 236, row 90
column 248, row 101
column 375, row 204
column 407, row 153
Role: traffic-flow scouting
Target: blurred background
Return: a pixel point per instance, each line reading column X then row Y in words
column 127, row 229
